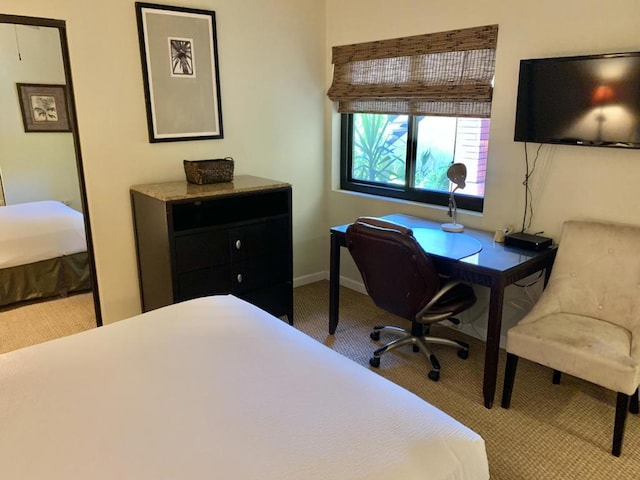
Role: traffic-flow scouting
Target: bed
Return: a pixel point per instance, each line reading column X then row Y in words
column 216, row 388
column 43, row 251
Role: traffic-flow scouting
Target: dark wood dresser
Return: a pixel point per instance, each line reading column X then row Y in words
column 196, row 240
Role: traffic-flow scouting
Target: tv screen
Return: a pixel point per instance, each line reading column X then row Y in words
column 588, row 100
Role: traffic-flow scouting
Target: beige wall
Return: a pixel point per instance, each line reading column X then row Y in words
column 569, row 182
column 271, row 57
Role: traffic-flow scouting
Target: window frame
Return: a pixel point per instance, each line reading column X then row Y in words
column 401, row 192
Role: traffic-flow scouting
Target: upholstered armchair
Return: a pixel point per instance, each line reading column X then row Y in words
column 587, row 321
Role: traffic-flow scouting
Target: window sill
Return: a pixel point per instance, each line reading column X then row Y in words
column 400, row 201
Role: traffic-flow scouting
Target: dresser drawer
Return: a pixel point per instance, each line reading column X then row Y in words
column 203, row 249
column 259, row 272
column 203, row 282
column 269, row 237
column 275, row 299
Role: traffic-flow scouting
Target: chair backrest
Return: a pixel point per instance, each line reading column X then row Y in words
column 398, row 275
column 596, row 273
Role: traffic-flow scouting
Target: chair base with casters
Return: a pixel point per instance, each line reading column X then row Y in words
column 419, row 338
column 624, row 403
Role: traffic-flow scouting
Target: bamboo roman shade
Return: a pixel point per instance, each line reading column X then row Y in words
column 446, row 74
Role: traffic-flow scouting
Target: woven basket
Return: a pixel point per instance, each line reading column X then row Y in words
column 209, row 171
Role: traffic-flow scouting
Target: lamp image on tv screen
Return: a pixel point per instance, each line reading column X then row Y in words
column 589, row 100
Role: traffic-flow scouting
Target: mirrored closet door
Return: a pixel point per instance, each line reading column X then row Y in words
column 45, row 229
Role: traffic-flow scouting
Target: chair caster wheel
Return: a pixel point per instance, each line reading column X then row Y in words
column 374, row 362
column 434, row 375
column 375, row 335
column 463, row 354
column 416, row 348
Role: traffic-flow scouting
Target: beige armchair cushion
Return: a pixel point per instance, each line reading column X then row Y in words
column 587, row 321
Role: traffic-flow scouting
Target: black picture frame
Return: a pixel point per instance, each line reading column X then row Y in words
column 179, row 56
column 44, row 107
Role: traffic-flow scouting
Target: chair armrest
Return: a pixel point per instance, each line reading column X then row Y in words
column 444, row 290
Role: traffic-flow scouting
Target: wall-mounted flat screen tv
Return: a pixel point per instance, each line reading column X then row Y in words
column 587, row 100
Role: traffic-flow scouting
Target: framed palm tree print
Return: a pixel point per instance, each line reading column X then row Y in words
column 179, row 54
column 43, row 107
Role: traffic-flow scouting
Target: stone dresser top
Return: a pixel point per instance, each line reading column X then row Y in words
column 183, row 190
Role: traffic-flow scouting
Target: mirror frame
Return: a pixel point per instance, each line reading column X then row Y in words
column 71, row 104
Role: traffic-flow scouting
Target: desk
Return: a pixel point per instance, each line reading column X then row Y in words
column 496, row 266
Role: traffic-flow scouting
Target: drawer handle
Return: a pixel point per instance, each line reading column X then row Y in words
column 239, row 278
column 238, row 244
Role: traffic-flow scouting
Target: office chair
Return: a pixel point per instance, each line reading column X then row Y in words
column 401, row 279
column 587, row 320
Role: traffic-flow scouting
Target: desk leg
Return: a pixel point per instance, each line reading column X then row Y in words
column 496, row 300
column 547, row 275
column 334, row 284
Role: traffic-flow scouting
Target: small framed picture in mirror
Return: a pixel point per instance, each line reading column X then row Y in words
column 44, row 107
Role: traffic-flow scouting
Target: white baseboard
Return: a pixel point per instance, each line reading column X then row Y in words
column 471, row 329
column 316, row 277
column 307, row 279
column 353, row 285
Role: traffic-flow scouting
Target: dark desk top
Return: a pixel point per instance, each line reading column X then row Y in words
column 492, row 256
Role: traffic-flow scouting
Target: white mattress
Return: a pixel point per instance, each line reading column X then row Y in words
column 215, row 388
column 35, row 231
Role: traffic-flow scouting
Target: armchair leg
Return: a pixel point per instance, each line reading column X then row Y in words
column 556, row 377
column 622, row 405
column 633, row 404
column 509, row 378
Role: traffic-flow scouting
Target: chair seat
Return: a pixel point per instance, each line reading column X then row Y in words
column 585, row 347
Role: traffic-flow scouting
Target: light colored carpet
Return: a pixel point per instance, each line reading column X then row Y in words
column 550, row 432
column 37, row 322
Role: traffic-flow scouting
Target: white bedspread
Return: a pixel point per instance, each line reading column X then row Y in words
column 35, row 231
column 215, row 388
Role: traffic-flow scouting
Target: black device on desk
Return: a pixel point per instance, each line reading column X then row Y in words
column 528, row 241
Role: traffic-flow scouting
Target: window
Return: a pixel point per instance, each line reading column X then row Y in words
column 413, row 106
column 407, row 157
